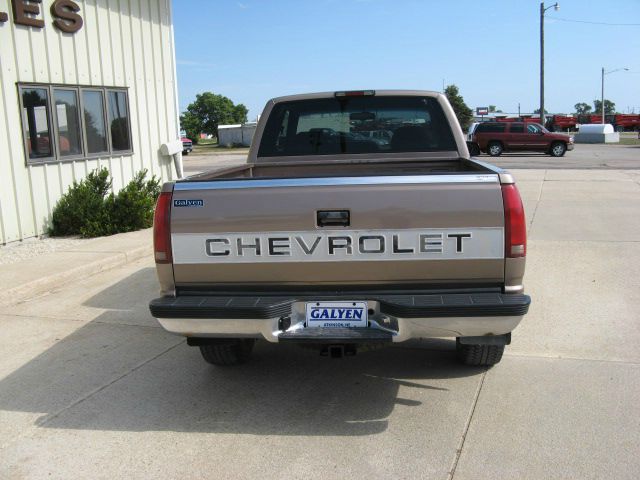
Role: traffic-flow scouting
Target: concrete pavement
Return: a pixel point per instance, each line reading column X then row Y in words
column 40, row 273
column 90, row 386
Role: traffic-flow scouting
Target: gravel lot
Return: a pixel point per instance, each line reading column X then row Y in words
column 18, row 251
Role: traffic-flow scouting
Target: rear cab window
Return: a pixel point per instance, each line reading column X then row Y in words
column 356, row 125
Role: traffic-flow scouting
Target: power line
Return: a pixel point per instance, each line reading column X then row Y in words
column 595, row 23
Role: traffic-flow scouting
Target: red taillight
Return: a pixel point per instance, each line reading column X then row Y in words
column 161, row 228
column 515, row 226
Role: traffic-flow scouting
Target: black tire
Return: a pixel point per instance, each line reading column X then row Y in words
column 225, row 353
column 186, row 152
column 479, row 355
column 494, row 149
column 557, row 149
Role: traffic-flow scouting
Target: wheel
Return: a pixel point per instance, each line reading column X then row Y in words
column 557, row 149
column 227, row 352
column 186, row 152
column 479, row 355
column 494, row 149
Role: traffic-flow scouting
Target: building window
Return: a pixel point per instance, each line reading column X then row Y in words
column 95, row 127
column 67, row 117
column 35, row 117
column 119, row 120
column 84, row 121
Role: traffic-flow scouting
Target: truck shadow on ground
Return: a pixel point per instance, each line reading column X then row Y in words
column 132, row 376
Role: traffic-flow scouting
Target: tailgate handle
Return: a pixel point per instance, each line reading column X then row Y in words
column 333, row 218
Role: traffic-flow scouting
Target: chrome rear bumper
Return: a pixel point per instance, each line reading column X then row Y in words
column 394, row 318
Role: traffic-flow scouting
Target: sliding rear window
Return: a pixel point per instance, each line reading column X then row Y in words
column 356, row 125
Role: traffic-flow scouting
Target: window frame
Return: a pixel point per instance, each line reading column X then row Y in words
column 105, row 119
column 25, row 125
column 53, row 122
column 106, row 112
column 56, row 128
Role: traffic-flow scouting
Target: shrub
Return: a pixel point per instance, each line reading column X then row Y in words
column 83, row 204
column 87, row 210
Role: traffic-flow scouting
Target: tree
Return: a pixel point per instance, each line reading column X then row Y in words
column 191, row 124
column 537, row 110
column 609, row 107
column 210, row 110
column 462, row 111
column 582, row 108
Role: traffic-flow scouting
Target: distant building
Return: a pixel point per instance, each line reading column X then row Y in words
column 83, row 85
column 234, row 135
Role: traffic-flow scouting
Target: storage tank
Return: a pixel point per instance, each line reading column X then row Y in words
column 596, row 133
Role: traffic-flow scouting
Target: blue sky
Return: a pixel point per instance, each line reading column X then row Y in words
column 253, row 50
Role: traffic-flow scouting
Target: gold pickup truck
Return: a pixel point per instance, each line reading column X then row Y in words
column 359, row 218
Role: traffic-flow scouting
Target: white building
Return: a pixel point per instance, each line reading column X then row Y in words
column 233, row 135
column 83, row 84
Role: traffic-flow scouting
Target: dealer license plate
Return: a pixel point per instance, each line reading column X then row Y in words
column 336, row 314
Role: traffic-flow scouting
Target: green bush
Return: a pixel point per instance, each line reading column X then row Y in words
column 87, row 210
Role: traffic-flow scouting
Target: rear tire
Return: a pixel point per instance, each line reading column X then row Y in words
column 494, row 149
column 558, row 149
column 479, row 355
column 226, row 353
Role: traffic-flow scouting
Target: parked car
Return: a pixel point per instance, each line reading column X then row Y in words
column 472, row 129
column 497, row 137
column 352, row 244
column 187, row 146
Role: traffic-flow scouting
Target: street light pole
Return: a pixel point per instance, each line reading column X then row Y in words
column 602, row 97
column 602, row 89
column 542, row 10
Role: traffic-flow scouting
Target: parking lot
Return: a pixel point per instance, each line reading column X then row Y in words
column 607, row 157
column 92, row 387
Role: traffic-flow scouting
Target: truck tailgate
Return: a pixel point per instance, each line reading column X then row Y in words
column 417, row 229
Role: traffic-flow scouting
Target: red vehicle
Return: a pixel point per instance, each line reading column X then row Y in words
column 497, row 137
column 625, row 121
column 524, row 119
column 187, row 145
column 558, row 123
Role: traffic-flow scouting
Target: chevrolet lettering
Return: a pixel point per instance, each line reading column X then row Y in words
column 359, row 219
column 328, row 246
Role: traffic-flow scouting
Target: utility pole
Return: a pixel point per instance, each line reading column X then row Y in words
column 542, row 10
column 602, row 97
column 541, row 63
